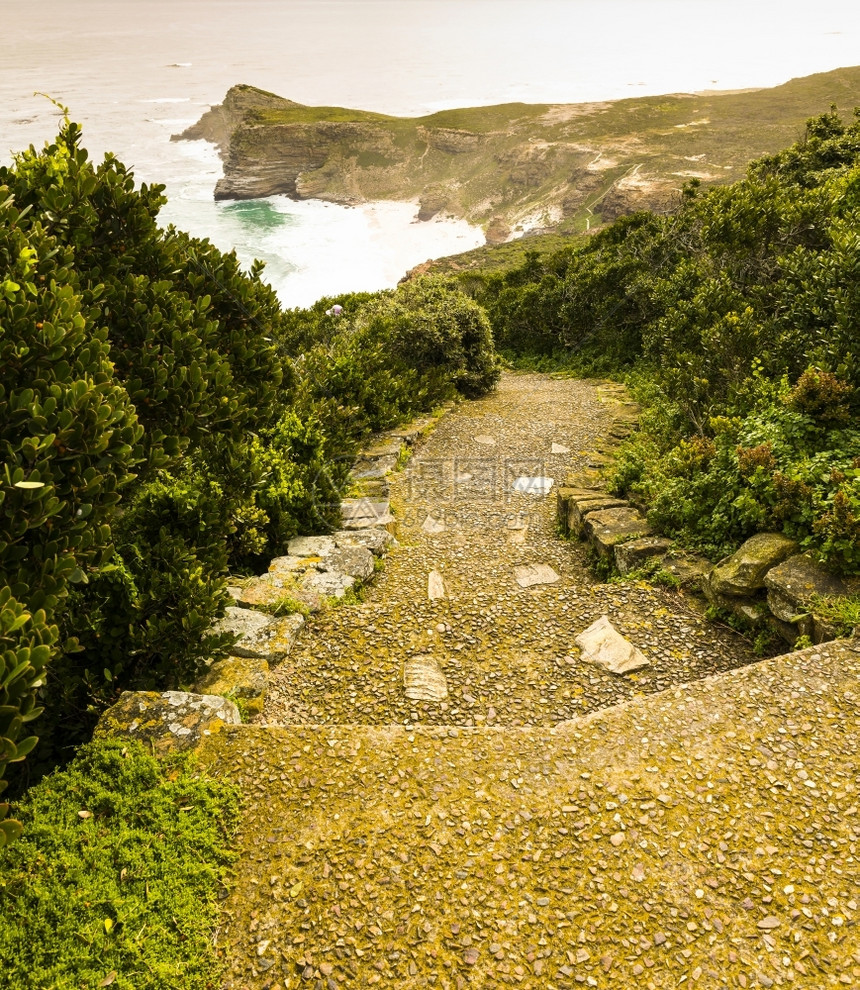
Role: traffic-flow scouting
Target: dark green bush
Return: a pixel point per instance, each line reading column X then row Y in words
column 70, row 441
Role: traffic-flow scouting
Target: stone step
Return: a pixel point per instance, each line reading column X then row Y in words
column 608, row 847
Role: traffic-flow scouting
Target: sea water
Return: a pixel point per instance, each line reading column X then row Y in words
column 134, row 72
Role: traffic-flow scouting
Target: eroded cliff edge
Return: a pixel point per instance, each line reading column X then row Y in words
column 515, row 167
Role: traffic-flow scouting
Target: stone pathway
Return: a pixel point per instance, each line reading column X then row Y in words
column 486, row 832
column 515, row 595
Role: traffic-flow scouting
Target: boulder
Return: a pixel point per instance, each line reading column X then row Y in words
column 606, row 529
column 632, row 555
column 791, row 584
column 603, row 645
column 743, row 573
column 168, row 721
column 237, row 677
column 260, row 635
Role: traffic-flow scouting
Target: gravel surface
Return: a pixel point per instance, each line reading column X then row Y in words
column 708, row 835
column 705, row 835
column 507, row 652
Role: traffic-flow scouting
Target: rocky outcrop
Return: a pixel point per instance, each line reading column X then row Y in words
column 451, row 140
column 511, row 169
column 267, row 159
column 219, row 122
column 743, row 573
column 167, row 722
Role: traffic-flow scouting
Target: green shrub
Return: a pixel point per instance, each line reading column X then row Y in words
column 116, row 879
column 70, row 440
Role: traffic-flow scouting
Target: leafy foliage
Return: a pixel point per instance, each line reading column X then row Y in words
column 141, row 364
column 115, row 881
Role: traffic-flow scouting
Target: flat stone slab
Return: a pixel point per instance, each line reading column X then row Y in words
column 237, row 677
column 485, row 440
column 517, row 534
column 364, row 513
column 329, row 584
column 410, row 432
column 387, row 446
column 609, row 527
column 580, row 508
column 528, row 575
column 743, row 573
column 633, row 554
column 375, row 467
column 533, row 486
column 603, row 645
column 168, row 721
column 432, row 526
column 423, row 680
column 260, row 635
column 290, row 565
column 559, row 448
column 261, row 592
column 310, row 546
column 435, row 586
column 376, row 541
column 356, row 562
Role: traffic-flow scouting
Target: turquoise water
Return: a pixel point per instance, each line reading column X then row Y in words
column 134, row 72
column 259, row 215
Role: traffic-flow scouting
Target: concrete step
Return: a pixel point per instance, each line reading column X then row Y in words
column 709, row 835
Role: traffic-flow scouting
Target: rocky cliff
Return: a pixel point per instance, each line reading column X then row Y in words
column 512, row 168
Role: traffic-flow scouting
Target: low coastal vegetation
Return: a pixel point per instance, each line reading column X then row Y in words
column 164, row 423
column 116, row 879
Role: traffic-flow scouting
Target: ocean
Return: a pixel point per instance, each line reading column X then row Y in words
column 134, row 72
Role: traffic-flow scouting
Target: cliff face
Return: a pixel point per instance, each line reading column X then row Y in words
column 516, row 167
